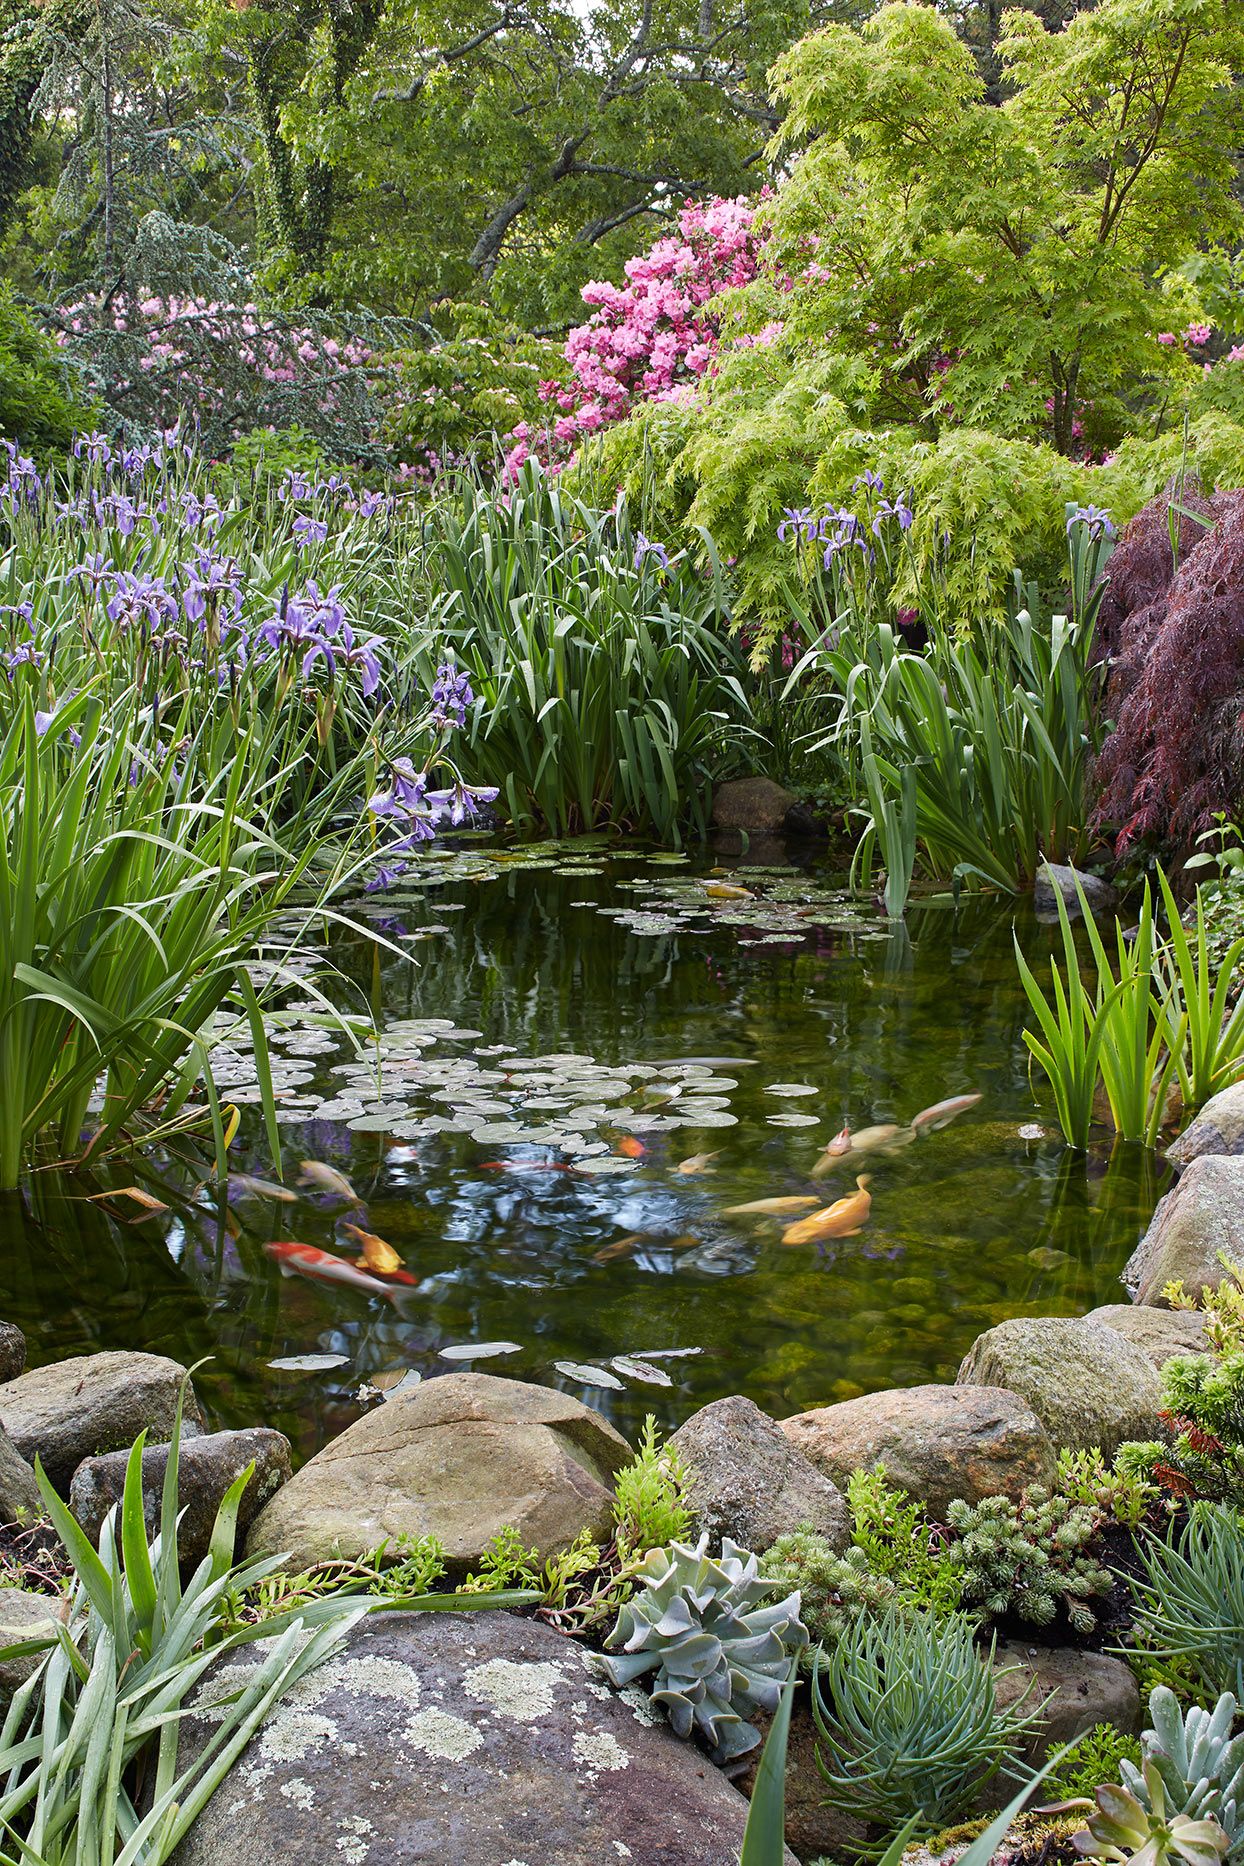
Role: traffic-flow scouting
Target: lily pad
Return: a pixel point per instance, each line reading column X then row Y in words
column 308, row 1363
column 588, row 1376
column 640, row 1370
column 479, row 1350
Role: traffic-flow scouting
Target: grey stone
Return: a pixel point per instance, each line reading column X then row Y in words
column 1058, row 878
column 1087, row 1385
column 12, row 1350
column 1159, row 1333
column 937, row 1442
column 756, row 805
column 750, row 1483
column 74, row 1409
column 458, row 1458
column 19, row 1493
column 205, row 1469
column 25, row 1616
column 477, row 1738
column 1219, row 1128
column 1200, row 1218
column 1083, row 1688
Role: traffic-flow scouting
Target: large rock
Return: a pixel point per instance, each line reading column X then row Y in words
column 1202, row 1216
column 750, row 1483
column 205, row 1469
column 1087, row 1385
column 1083, row 1688
column 757, row 806
column 458, row 1458
column 937, row 1442
column 12, row 1350
column 1159, row 1333
column 1055, row 879
column 473, row 1738
column 73, row 1409
column 19, row 1493
column 25, row 1616
column 1219, row 1128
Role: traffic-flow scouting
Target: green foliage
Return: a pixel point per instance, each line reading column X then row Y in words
column 1128, row 1828
column 41, row 404
column 1112, row 1491
column 260, row 458
column 905, row 1706
column 459, row 394
column 650, row 1506
column 834, row 1589
column 1190, row 1599
column 900, row 1544
column 1222, row 1307
column 1203, row 1401
column 1030, row 1558
column 1093, row 1758
column 1196, row 1761
column 720, row 1646
column 604, row 692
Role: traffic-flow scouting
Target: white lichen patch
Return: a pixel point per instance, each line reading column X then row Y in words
column 294, row 1733
column 521, row 1690
column 640, row 1705
column 437, row 1733
column 622, row 1850
column 351, row 1843
column 597, row 1752
column 299, row 1792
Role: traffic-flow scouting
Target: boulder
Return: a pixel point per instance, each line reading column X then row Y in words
column 1087, row 1385
column 473, row 1737
column 1219, row 1128
column 750, row 1482
column 25, row 1616
column 1058, row 878
column 1083, row 1688
column 205, row 1469
column 937, row 1442
column 1202, row 1216
column 12, row 1351
column 458, row 1457
column 19, row 1493
column 756, row 805
column 73, row 1409
column 1159, row 1333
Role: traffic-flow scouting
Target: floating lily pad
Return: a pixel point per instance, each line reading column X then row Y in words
column 791, row 1088
column 793, row 1120
column 308, row 1363
column 588, row 1376
column 479, row 1350
column 640, row 1370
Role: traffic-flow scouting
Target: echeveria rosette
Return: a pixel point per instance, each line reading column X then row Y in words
column 720, row 1645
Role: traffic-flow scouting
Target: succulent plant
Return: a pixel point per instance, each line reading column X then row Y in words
column 1142, row 1832
column 1198, row 1762
column 1030, row 1558
column 834, row 1589
column 720, row 1646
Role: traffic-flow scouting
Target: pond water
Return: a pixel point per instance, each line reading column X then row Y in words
column 617, row 1013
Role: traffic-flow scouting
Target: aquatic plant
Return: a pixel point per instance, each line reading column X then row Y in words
column 1189, row 1599
column 898, row 1542
column 720, row 1645
column 1031, row 1557
column 101, row 1715
column 834, row 1589
column 605, row 691
column 905, row 1705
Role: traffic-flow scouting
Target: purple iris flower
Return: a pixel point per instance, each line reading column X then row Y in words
column 1095, row 518
column 309, row 531
column 451, row 695
column 873, row 481
column 797, row 521
column 95, row 568
column 648, row 547
column 140, row 598
column 384, row 877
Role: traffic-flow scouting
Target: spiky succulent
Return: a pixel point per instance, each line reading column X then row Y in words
column 1128, row 1831
column 1197, row 1760
column 719, row 1644
column 1030, row 1558
column 834, row 1589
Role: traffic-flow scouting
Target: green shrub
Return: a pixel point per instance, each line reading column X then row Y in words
column 835, row 1589
column 42, row 404
column 650, row 1507
column 899, row 1543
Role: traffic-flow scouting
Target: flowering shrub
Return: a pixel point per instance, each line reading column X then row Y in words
column 654, row 337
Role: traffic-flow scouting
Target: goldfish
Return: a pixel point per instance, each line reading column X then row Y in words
column 842, row 1219
column 763, row 1208
column 380, row 1256
column 619, row 1247
column 886, row 1137
column 630, row 1148
column 525, row 1166
column 727, row 891
column 942, row 1113
column 245, row 1185
column 294, row 1259
column 697, row 1163
column 841, row 1143
column 327, row 1179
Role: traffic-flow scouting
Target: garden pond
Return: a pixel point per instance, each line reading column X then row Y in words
column 564, row 1028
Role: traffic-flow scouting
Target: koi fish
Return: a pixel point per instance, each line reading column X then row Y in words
column 380, row 1256
column 697, row 1163
column 727, row 891
column 842, row 1219
column 294, row 1259
column 841, row 1143
column 942, row 1113
column 618, row 1247
column 886, row 1137
column 327, row 1179
column 630, row 1148
column 524, row 1166
column 764, row 1208
column 246, row 1186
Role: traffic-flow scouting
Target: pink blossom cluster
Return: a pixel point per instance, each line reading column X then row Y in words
column 654, row 337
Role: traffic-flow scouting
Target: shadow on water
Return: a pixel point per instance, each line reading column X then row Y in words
column 987, row 1218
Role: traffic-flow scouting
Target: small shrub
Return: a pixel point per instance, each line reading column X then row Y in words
column 41, row 407
column 900, row 1544
column 835, row 1590
column 650, row 1506
column 1203, row 1406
